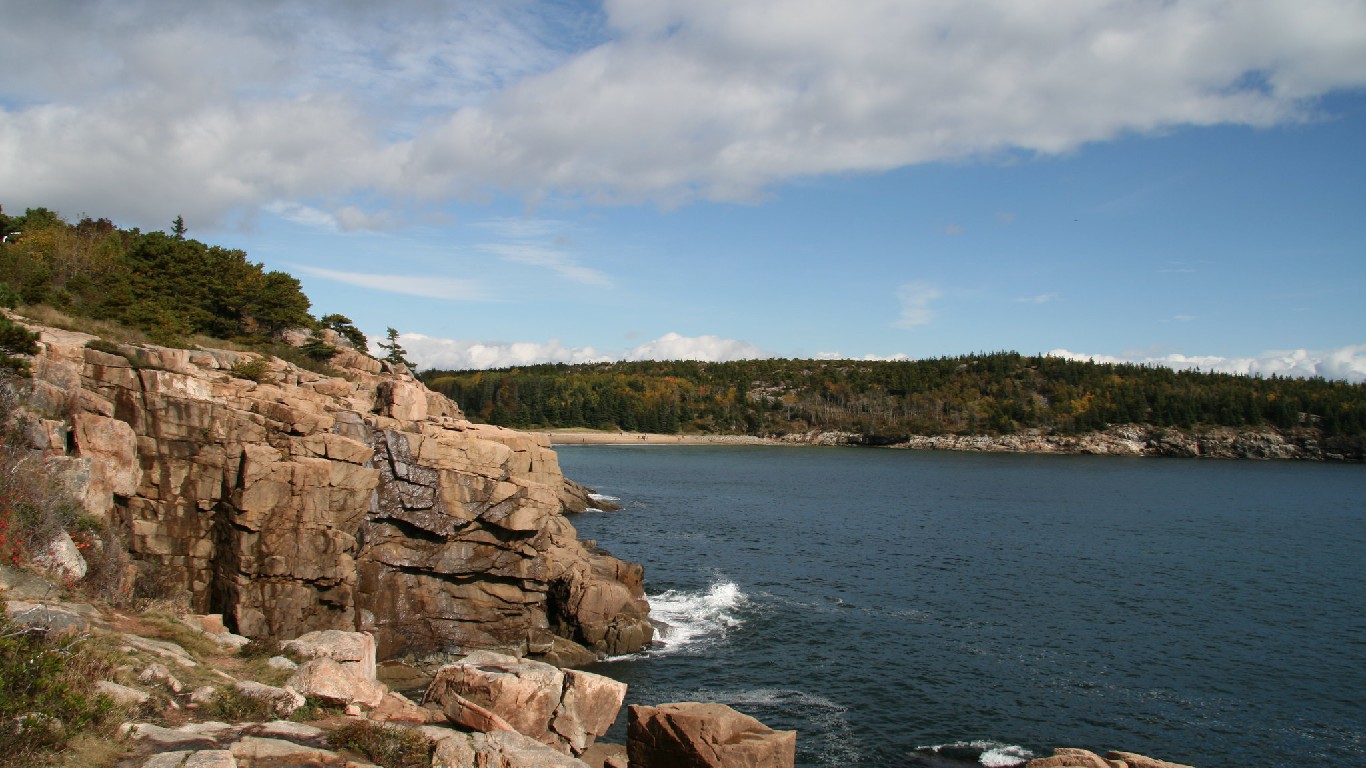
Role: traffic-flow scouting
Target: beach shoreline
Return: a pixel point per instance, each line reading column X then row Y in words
column 588, row 437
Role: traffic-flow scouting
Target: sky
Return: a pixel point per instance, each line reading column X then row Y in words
column 1180, row 182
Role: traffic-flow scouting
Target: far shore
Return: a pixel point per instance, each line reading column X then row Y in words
column 591, row 437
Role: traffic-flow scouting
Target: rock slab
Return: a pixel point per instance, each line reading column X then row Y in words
column 490, row 692
column 698, row 735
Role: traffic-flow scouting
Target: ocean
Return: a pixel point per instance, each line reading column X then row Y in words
column 902, row 608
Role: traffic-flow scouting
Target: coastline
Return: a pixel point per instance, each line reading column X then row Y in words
column 1119, row 440
column 589, row 437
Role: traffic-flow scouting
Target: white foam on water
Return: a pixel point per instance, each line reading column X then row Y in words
column 1005, row 756
column 603, row 497
column 686, row 619
column 992, row 754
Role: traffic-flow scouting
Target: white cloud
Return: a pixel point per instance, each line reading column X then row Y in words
column 412, row 285
column 672, row 346
column 557, row 261
column 212, row 110
column 463, row 354
column 452, row 354
column 915, row 298
column 1345, row 363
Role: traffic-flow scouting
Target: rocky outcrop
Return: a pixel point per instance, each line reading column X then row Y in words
column 693, row 735
column 1066, row 757
column 564, row 709
column 297, row 501
column 1120, row 440
column 1140, row 440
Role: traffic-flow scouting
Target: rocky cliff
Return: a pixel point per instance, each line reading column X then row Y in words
column 292, row 501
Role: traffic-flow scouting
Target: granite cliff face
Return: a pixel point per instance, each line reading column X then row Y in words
column 304, row 502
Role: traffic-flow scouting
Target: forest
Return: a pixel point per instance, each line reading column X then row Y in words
column 991, row 393
column 165, row 286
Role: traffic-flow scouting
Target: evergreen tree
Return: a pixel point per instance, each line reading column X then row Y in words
column 178, row 228
column 342, row 325
column 396, row 353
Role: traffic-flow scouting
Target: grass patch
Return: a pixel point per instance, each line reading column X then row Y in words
column 44, row 314
column 47, row 694
column 386, row 745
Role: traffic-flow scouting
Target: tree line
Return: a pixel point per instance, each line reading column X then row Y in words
column 994, row 393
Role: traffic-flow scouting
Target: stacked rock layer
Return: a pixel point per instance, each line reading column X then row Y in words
column 293, row 501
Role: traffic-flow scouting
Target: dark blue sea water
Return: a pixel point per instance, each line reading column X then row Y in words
column 885, row 603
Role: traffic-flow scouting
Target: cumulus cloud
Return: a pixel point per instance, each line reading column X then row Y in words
column 454, row 354
column 413, row 285
column 214, row 109
column 1345, row 363
column 672, row 346
column 915, row 298
column 461, row 354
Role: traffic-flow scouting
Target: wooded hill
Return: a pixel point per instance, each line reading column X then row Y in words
column 168, row 287
column 997, row 393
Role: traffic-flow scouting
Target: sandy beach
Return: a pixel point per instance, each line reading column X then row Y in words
column 591, row 437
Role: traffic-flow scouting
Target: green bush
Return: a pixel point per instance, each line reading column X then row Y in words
column 253, row 369
column 47, row 693
column 100, row 345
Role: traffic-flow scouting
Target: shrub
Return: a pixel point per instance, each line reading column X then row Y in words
column 47, row 693
column 255, row 369
column 233, row 706
column 386, row 745
column 100, row 345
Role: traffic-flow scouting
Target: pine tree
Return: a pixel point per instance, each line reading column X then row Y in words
column 396, row 353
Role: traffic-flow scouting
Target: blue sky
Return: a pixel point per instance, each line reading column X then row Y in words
column 1180, row 182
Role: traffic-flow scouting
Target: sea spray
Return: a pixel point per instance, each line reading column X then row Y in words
column 989, row 754
column 689, row 619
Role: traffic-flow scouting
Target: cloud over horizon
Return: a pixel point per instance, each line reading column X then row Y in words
column 1345, row 363
column 216, row 111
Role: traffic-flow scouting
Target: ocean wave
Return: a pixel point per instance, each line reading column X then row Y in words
column 603, row 497
column 989, row 754
column 689, row 619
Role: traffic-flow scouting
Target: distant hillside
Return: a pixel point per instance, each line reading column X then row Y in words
column 998, row 393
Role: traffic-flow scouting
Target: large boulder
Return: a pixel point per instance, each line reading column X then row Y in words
column 565, row 709
column 332, row 682
column 353, row 650
column 694, row 735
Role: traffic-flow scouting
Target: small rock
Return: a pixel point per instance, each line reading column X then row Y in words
column 162, row 648
column 296, row 732
column 122, row 694
column 158, row 673
column 211, row 758
column 280, row 662
column 173, row 759
column 256, row 750
column 203, row 695
column 61, row 558
column 283, row 700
